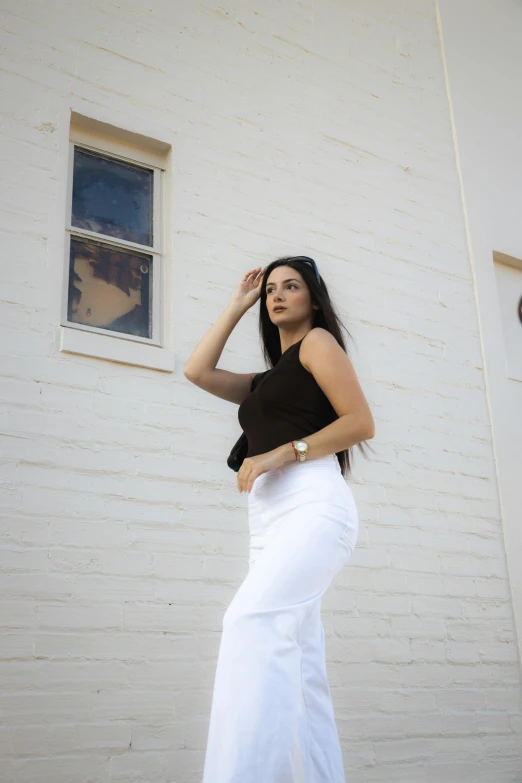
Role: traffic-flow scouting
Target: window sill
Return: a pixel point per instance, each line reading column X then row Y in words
column 115, row 349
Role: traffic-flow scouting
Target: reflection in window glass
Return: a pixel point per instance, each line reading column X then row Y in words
column 112, row 197
column 110, row 288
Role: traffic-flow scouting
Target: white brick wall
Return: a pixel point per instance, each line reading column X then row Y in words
column 297, row 127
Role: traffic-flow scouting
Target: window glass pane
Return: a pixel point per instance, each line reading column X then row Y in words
column 110, row 288
column 112, row 197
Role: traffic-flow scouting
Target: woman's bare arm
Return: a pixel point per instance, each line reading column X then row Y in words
column 200, row 368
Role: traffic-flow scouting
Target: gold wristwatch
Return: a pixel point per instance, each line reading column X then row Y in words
column 301, row 449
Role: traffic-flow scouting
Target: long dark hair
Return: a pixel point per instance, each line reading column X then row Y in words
column 325, row 316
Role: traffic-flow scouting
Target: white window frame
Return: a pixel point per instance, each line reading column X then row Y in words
column 98, row 342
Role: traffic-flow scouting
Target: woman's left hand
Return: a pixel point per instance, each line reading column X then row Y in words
column 253, row 467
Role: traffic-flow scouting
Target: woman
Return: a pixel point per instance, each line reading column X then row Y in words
column 272, row 719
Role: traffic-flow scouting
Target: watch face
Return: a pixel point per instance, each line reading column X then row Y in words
column 301, row 445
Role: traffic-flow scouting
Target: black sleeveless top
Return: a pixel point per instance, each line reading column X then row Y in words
column 285, row 403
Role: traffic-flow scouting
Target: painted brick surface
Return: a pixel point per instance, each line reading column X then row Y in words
column 318, row 128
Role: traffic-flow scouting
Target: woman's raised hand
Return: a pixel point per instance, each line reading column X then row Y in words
column 249, row 289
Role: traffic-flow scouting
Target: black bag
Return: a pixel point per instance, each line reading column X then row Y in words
column 238, row 453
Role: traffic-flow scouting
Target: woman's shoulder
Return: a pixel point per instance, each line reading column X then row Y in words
column 314, row 342
column 318, row 336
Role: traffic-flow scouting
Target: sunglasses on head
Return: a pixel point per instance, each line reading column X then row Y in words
column 308, row 260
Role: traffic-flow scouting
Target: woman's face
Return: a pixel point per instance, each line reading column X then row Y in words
column 286, row 288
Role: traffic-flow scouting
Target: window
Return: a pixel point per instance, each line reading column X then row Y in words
column 114, row 246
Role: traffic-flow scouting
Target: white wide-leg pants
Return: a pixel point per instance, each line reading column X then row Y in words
column 272, row 719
